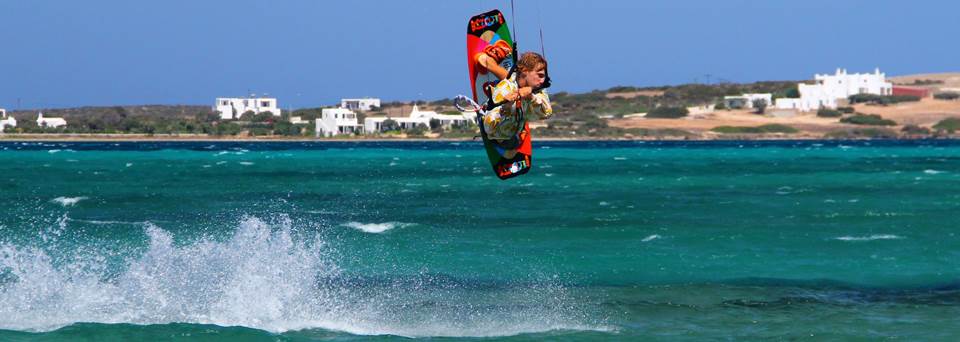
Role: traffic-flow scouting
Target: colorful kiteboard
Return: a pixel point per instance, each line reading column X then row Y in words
column 484, row 30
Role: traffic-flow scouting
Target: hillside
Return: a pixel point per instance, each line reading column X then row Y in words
column 605, row 114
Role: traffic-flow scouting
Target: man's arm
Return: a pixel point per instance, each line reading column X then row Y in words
column 491, row 65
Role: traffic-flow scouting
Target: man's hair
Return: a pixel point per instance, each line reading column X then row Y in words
column 530, row 61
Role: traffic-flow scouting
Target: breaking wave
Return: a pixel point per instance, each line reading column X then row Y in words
column 265, row 276
column 376, row 227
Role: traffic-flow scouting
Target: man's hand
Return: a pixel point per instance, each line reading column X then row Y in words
column 524, row 92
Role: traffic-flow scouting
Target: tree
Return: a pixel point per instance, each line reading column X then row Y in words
column 247, row 116
column 435, row 126
column 759, row 105
column 793, row 93
column 389, row 125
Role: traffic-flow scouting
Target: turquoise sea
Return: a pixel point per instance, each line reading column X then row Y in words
column 601, row 241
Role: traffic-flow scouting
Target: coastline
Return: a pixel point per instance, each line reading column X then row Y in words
column 12, row 137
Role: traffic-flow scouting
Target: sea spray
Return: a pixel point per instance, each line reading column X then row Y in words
column 263, row 276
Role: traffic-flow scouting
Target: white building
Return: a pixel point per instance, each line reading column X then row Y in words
column 446, row 120
column 746, row 100
column 6, row 121
column 231, row 108
column 336, row 121
column 298, row 120
column 830, row 88
column 416, row 118
column 362, row 105
column 50, row 122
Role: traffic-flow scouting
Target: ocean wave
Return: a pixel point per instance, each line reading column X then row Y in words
column 650, row 238
column 264, row 276
column 869, row 238
column 376, row 228
column 98, row 222
column 68, row 201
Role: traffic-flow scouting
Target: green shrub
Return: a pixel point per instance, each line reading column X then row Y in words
column 769, row 128
column 926, row 82
column 882, row 100
column 862, row 133
column 915, row 130
column 659, row 133
column 947, row 96
column 948, row 124
column 419, row 130
column 868, row 120
column 828, row 113
column 864, row 98
column 668, row 112
column 845, row 110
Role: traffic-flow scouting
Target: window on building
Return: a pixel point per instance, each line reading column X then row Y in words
column 225, row 103
column 246, row 103
column 265, row 104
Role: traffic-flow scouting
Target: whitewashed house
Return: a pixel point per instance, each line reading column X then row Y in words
column 446, row 120
column 375, row 124
column 416, row 118
column 50, row 122
column 231, row 108
column 337, row 121
column 746, row 100
column 830, row 88
column 6, row 121
column 362, row 105
column 298, row 120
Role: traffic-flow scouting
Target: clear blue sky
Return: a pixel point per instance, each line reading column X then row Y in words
column 311, row 53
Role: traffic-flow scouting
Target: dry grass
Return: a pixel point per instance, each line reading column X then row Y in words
column 632, row 94
column 925, row 113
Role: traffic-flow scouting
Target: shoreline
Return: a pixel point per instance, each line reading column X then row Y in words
column 199, row 138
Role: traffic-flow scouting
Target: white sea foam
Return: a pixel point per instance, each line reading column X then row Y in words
column 68, row 201
column 246, row 163
column 869, row 238
column 375, row 228
column 651, row 238
column 261, row 276
column 933, row 172
column 99, row 222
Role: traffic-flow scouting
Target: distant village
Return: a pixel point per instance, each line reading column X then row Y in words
column 828, row 92
column 343, row 120
column 363, row 116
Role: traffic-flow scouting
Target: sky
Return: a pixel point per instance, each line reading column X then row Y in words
column 311, row 53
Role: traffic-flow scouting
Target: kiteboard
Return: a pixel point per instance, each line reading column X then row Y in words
column 484, row 30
